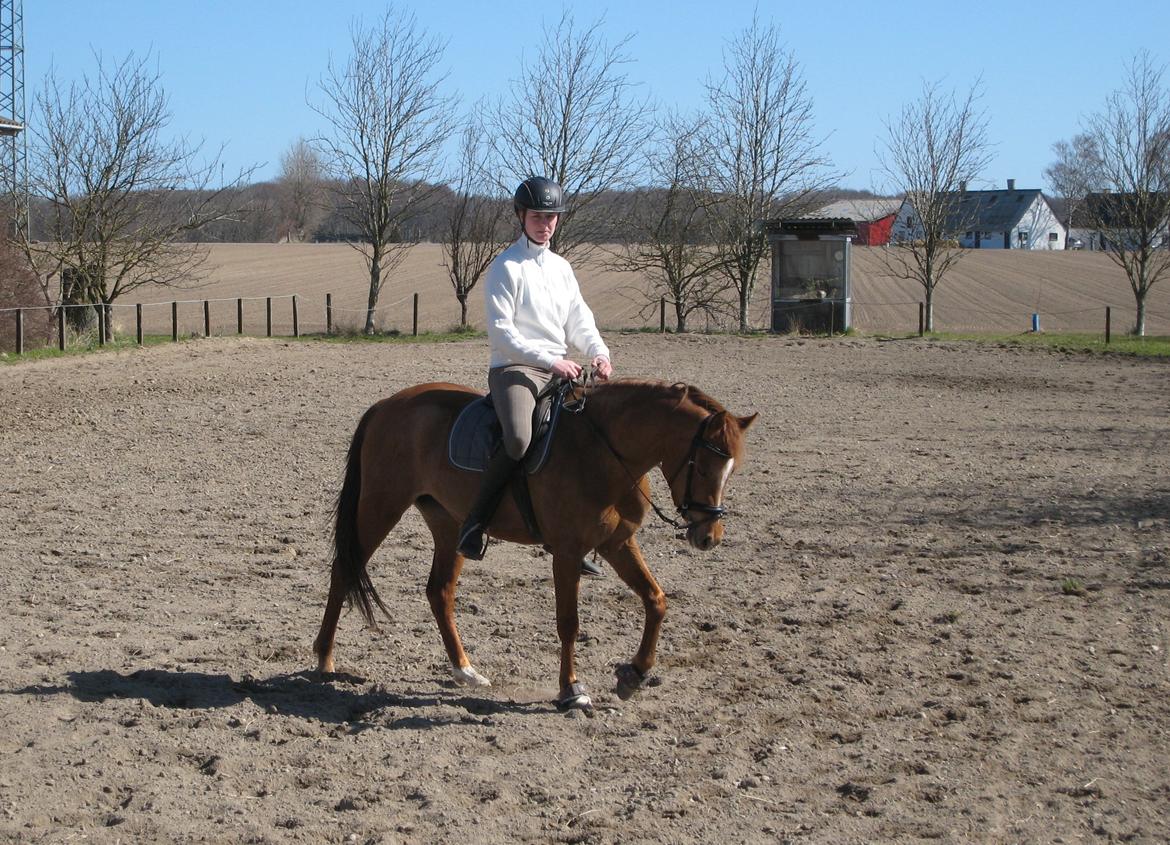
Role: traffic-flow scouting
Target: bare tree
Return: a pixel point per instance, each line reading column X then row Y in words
column 477, row 226
column 572, row 117
column 1067, row 175
column 121, row 195
column 302, row 181
column 932, row 150
column 666, row 229
column 20, row 288
column 763, row 158
column 388, row 122
column 1122, row 162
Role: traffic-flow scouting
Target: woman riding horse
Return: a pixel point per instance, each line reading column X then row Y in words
column 534, row 313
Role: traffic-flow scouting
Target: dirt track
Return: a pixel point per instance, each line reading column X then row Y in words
column 881, row 650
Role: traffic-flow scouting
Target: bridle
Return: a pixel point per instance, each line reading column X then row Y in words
column 710, row 513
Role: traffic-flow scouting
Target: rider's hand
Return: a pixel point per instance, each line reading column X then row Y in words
column 602, row 367
column 566, row 369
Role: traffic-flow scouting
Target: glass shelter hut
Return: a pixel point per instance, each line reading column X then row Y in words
column 810, row 274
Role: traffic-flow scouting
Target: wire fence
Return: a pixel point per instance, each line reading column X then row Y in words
column 289, row 315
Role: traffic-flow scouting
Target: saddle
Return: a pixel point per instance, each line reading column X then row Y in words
column 476, row 436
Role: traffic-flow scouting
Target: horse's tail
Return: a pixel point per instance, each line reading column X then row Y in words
column 349, row 559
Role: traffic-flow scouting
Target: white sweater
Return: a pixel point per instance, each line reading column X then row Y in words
column 535, row 310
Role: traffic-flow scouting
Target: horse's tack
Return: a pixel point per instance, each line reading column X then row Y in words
column 476, row 433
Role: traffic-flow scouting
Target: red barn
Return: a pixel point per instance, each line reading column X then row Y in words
column 873, row 217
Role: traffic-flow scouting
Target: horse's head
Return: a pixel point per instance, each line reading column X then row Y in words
column 698, row 484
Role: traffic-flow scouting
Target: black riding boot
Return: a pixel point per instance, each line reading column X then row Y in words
column 491, row 489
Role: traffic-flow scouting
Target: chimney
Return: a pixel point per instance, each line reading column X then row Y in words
column 1011, row 184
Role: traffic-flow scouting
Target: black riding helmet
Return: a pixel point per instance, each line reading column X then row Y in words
column 539, row 194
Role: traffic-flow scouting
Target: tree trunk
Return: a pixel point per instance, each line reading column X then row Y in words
column 680, row 318
column 929, row 308
column 1139, row 327
column 462, row 310
column 375, row 289
column 744, row 295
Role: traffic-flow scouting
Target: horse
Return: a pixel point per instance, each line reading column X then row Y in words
column 592, row 493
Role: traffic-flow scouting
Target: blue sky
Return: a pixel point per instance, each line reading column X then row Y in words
column 238, row 73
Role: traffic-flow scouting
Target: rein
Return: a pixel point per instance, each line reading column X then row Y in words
column 710, row 512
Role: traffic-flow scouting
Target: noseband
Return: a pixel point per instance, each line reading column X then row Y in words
column 710, row 512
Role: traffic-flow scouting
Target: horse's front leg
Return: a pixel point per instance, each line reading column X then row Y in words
column 626, row 558
column 567, row 579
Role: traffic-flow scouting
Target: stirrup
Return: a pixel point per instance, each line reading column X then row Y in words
column 472, row 543
column 591, row 569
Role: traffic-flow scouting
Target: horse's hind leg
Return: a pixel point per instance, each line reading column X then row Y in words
column 373, row 521
column 446, row 566
column 626, row 558
column 323, row 645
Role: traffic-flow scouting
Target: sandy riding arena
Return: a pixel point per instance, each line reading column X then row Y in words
column 940, row 611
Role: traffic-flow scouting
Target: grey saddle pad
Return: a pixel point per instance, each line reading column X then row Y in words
column 477, row 431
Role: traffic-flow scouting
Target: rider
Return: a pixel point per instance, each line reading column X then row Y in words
column 534, row 313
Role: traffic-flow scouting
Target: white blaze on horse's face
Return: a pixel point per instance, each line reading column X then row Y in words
column 723, row 480
column 706, row 534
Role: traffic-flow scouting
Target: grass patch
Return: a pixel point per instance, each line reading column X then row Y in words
column 452, row 335
column 85, row 345
column 1072, row 587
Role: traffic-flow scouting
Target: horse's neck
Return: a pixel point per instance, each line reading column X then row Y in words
column 645, row 430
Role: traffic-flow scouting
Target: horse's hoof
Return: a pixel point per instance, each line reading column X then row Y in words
column 574, row 697
column 466, row 676
column 629, row 680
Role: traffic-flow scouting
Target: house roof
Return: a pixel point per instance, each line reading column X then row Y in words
column 993, row 211
column 1122, row 210
column 860, row 210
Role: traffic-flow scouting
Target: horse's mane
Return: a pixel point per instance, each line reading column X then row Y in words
column 678, row 391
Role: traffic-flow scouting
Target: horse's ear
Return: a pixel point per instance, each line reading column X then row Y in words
column 746, row 422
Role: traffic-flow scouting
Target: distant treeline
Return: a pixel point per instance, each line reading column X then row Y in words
column 263, row 216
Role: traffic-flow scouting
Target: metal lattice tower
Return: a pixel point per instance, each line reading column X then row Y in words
column 13, row 145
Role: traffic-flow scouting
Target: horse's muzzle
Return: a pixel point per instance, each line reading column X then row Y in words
column 705, row 535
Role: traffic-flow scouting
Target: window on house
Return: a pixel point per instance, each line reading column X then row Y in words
column 1052, row 236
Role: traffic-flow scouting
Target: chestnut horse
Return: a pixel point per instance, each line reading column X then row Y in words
column 591, row 494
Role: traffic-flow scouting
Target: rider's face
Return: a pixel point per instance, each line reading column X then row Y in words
column 540, row 225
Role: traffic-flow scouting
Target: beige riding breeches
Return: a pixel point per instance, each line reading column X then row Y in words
column 514, row 389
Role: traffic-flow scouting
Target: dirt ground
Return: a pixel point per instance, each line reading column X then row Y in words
column 940, row 612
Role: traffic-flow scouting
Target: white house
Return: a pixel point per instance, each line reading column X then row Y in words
column 995, row 219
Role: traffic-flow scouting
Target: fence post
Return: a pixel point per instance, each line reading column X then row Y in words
column 414, row 331
column 175, row 322
column 268, row 315
column 138, row 322
column 328, row 313
column 662, row 315
column 101, row 311
column 206, row 319
column 61, row 328
column 1108, row 322
column 921, row 319
column 19, row 331
column 239, row 315
column 296, row 324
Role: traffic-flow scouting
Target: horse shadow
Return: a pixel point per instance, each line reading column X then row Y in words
column 344, row 700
